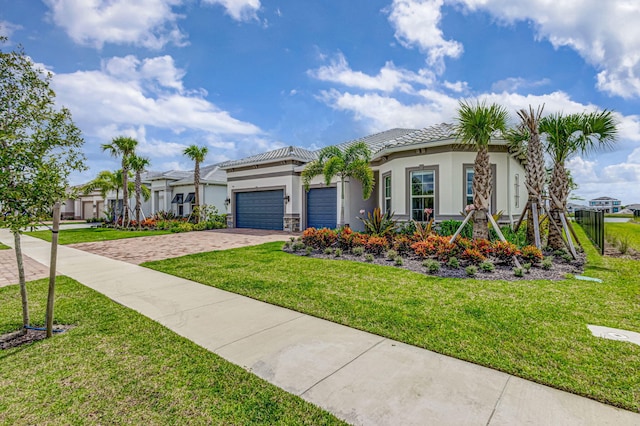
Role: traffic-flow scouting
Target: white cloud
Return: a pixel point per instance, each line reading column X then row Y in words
column 240, row 10
column 417, row 23
column 389, row 78
column 7, row 29
column 514, row 84
column 125, row 92
column 619, row 180
column 147, row 23
column 605, row 34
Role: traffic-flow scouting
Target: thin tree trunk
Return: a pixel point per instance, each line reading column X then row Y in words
column 196, row 183
column 22, row 281
column 138, row 193
column 52, row 269
column 125, row 192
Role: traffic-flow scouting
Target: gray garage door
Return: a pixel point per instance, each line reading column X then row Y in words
column 321, row 208
column 260, row 209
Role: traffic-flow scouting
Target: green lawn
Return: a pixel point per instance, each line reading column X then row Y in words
column 116, row 366
column 628, row 230
column 532, row 329
column 88, row 235
column 4, row 247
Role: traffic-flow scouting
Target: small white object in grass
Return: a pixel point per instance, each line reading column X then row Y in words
column 615, row 334
column 583, row 278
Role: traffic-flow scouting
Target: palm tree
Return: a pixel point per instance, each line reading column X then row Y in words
column 105, row 182
column 353, row 162
column 123, row 147
column 565, row 136
column 196, row 153
column 528, row 133
column 475, row 125
column 138, row 164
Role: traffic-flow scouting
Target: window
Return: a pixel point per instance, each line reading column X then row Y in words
column 422, row 195
column 177, row 199
column 386, row 183
column 191, row 198
column 468, row 185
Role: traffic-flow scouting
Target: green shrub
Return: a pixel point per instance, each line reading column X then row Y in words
column 368, row 257
column 487, row 266
column 337, row 252
column 623, row 244
column 471, row 270
column 298, row 245
column 308, row 250
column 526, row 267
column 518, row 272
column 286, row 246
column 200, row 226
column 449, row 227
column 433, row 266
column 398, row 261
column 392, row 254
column 567, row 257
column 328, row 250
column 453, row 263
column 547, row 262
column 357, row 251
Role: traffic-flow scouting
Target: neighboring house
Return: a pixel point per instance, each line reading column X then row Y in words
column 608, row 204
column 414, row 169
column 634, row 207
column 572, row 207
column 171, row 191
column 89, row 206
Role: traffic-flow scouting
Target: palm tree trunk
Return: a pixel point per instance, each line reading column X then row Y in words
column 138, row 193
column 559, row 191
column 535, row 173
column 481, row 193
column 22, row 281
column 196, row 183
column 125, row 192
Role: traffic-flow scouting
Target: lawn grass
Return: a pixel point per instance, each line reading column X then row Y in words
column 88, row 235
column 536, row 330
column 630, row 231
column 4, row 247
column 117, row 366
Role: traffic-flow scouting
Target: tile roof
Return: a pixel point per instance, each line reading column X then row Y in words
column 285, row 153
column 378, row 142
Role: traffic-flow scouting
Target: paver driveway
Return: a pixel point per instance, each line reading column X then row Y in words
column 9, row 270
column 158, row 247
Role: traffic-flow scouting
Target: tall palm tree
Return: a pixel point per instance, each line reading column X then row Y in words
column 476, row 123
column 123, row 147
column 565, row 136
column 105, row 182
column 529, row 133
column 138, row 164
column 353, row 162
column 197, row 154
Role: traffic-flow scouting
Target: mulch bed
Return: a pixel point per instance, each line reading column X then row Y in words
column 18, row 338
column 559, row 270
column 613, row 251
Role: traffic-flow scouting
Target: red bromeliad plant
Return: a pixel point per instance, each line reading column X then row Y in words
column 531, row 254
column 504, row 251
column 402, row 244
column 319, row 238
column 376, row 245
column 483, row 246
column 435, row 245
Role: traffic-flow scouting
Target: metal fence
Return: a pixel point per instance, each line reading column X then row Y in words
column 592, row 221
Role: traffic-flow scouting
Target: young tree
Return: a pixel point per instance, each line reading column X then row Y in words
column 566, row 135
column 138, row 164
column 196, row 154
column 476, row 123
column 40, row 147
column 123, row 147
column 353, row 162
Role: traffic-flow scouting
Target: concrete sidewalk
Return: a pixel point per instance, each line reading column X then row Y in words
column 360, row 377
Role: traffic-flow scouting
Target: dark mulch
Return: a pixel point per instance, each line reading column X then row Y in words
column 559, row 270
column 614, row 251
column 19, row 338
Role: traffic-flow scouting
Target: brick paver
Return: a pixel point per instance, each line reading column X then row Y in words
column 158, row 247
column 9, row 269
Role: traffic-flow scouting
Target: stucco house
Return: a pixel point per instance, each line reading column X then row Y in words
column 413, row 169
column 608, row 204
column 171, row 191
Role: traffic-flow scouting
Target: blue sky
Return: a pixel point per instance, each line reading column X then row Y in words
column 247, row 76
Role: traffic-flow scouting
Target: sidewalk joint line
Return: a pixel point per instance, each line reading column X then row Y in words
column 196, row 307
column 382, row 340
column 495, row 407
column 260, row 331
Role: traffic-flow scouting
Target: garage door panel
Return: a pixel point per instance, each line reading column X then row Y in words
column 321, row 207
column 260, row 209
